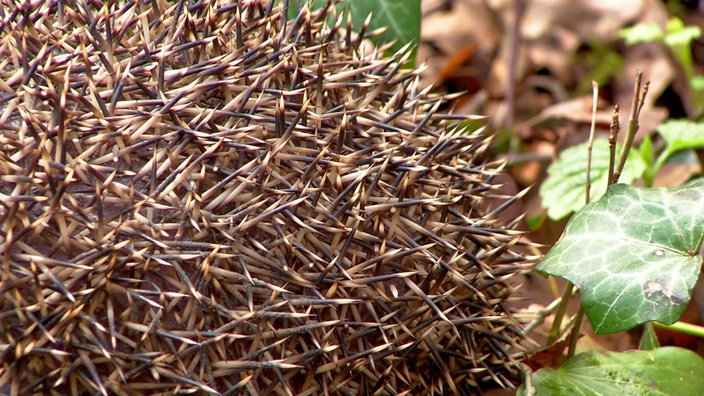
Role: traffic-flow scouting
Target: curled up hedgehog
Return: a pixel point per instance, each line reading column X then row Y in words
column 214, row 198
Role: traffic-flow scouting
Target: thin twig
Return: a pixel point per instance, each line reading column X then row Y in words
column 638, row 101
column 560, row 314
column 590, row 145
column 614, row 129
column 576, row 330
column 542, row 315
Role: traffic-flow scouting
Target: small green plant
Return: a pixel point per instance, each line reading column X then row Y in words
column 563, row 190
column 634, row 255
column 661, row 371
column 678, row 37
column 565, row 184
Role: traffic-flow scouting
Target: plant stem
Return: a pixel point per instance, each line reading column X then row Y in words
column 637, row 104
column 682, row 327
column 540, row 316
column 567, row 293
column 595, row 100
column 659, row 162
column 576, row 331
column 614, row 129
column 648, row 340
column 560, row 314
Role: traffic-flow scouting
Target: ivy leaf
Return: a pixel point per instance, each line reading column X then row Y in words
column 661, row 371
column 564, row 188
column 633, row 254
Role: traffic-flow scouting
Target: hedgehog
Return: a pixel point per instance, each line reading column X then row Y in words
column 224, row 197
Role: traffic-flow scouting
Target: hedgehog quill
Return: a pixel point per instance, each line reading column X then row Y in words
column 213, row 198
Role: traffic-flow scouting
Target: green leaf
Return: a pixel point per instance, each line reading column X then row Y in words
column 534, row 222
column 633, row 254
column 648, row 340
column 646, row 150
column 682, row 134
column 295, row 6
column 648, row 155
column 679, row 34
column 697, row 83
column 658, row 372
column 564, row 189
column 400, row 17
column 674, row 25
column 641, row 33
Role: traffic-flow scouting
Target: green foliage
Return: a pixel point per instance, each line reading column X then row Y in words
column 649, row 339
column 697, row 83
column 658, row 372
column 641, row 33
column 678, row 135
column 681, row 135
column 564, row 189
column 400, row 18
column 678, row 37
column 647, row 152
column 633, row 254
column 676, row 33
column 679, row 34
column 602, row 62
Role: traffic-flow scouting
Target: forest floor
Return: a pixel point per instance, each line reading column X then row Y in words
column 532, row 76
